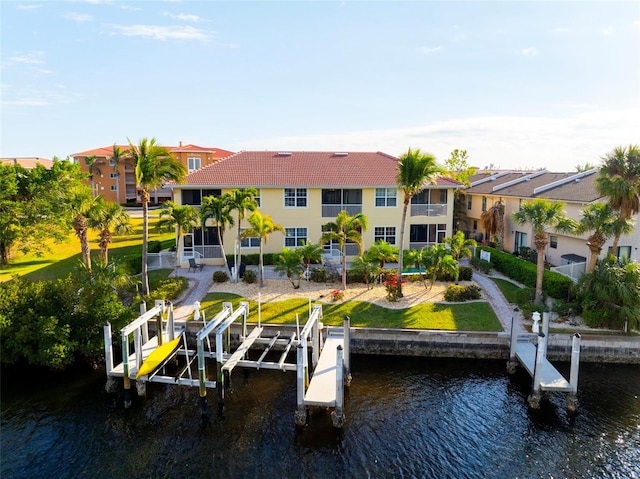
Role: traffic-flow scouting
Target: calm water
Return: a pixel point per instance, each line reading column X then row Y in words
column 405, row 418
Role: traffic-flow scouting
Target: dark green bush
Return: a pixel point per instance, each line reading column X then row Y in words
column 167, row 289
column 132, row 264
column 459, row 293
column 466, row 273
column 481, row 264
column 154, row 247
column 249, row 276
column 220, row 277
column 319, row 275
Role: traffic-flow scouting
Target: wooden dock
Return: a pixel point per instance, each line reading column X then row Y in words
column 322, row 388
column 550, row 377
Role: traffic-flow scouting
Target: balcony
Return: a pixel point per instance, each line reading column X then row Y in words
column 420, row 245
column 429, row 210
column 331, row 211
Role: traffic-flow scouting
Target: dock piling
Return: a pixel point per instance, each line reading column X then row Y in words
column 572, row 400
column 536, row 394
column 337, row 416
column 513, row 361
column 346, row 328
column 301, row 413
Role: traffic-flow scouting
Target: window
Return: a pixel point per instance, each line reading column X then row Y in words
column 484, row 203
column 386, row 197
column 205, row 237
column 113, row 175
column 250, row 241
column 469, row 201
column 521, row 240
column 295, row 197
column 427, row 233
column 112, row 162
column 257, row 198
column 430, row 197
column 193, row 164
column 553, row 242
column 295, row 237
column 191, row 197
column 475, row 225
column 114, row 188
column 385, row 233
column 623, row 252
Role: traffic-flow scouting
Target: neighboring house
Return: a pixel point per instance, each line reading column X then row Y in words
column 576, row 190
column 304, row 190
column 28, row 162
column 120, row 185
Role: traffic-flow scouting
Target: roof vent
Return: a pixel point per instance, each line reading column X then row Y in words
column 284, row 153
column 341, row 153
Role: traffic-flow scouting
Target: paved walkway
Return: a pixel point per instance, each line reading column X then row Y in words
column 200, row 283
column 504, row 310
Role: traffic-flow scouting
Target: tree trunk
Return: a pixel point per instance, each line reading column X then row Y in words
column 344, row 269
column 145, row 241
column 118, row 186
column 80, row 227
column 261, row 266
column 407, row 199
column 540, row 242
column 596, row 242
column 224, row 256
column 105, row 239
column 614, row 246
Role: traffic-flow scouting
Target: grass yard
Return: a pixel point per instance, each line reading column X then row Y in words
column 477, row 316
column 509, row 289
column 64, row 257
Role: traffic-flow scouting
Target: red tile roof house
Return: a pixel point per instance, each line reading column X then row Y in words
column 303, row 190
column 119, row 184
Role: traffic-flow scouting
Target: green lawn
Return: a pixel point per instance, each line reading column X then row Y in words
column 64, row 257
column 477, row 316
column 508, row 289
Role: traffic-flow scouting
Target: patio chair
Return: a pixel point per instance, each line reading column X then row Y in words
column 195, row 266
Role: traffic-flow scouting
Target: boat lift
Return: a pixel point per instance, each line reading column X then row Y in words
column 330, row 358
column 546, row 378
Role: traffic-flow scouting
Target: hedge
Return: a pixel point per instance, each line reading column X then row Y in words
column 554, row 284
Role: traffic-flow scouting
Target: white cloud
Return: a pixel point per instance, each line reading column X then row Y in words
column 157, row 32
column 78, row 17
column 22, row 6
column 29, row 58
column 429, row 50
column 183, row 16
column 608, row 30
column 528, row 52
column 557, row 143
column 23, row 96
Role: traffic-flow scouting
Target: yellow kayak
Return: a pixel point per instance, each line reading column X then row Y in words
column 157, row 357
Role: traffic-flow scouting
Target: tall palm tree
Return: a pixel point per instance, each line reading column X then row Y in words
column 604, row 222
column 241, row 200
column 80, row 203
column 459, row 247
column 619, row 180
column 93, row 163
column 218, row 209
column 117, row 158
column 493, row 222
column 108, row 218
column 261, row 226
column 543, row 214
column 179, row 218
column 345, row 228
column 415, row 170
column 154, row 166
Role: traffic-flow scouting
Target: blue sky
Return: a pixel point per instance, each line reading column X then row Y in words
column 516, row 84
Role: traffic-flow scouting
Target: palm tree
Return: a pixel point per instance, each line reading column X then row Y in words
column 241, row 200
column 94, row 169
column 383, row 252
column 154, row 166
column 289, row 263
column 493, row 222
column 181, row 218
column 218, row 209
column 604, row 222
column 80, row 203
column 108, row 219
column 543, row 214
column 619, row 180
column 117, row 158
column 261, row 226
column 415, row 169
column 345, row 229
column 437, row 260
column 459, row 247
column 367, row 267
column 309, row 252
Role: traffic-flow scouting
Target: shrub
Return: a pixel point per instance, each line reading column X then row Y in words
column 466, row 273
column 132, row 264
column 337, row 295
column 481, row 264
column 458, row 293
column 221, row 277
column 249, row 276
column 154, row 247
column 167, row 289
column 445, row 276
column 394, row 289
column 318, row 275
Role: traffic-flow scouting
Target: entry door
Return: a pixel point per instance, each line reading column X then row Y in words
column 188, row 249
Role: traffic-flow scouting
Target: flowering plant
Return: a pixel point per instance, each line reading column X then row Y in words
column 337, row 295
column 394, row 289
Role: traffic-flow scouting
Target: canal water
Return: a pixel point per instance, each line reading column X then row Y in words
column 405, row 418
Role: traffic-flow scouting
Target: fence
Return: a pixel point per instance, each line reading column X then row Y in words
column 573, row 270
column 164, row 259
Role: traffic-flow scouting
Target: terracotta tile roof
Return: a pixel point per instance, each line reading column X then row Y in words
column 302, row 169
column 108, row 150
column 29, row 162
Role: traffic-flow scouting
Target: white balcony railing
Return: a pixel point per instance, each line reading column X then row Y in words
column 331, row 211
column 420, row 245
column 429, row 210
column 573, row 270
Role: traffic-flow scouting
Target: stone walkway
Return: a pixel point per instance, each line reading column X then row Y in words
column 504, row 310
column 200, row 283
